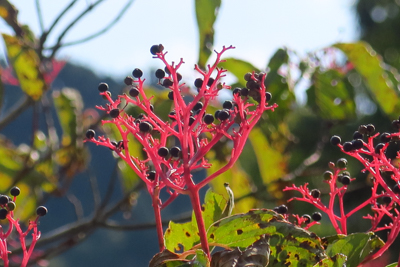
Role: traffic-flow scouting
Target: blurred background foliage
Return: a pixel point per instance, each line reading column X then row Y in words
column 47, row 105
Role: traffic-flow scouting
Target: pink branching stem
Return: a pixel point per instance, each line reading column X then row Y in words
column 194, row 131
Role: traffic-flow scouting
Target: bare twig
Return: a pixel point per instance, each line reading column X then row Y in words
column 24, row 103
column 77, row 205
column 40, row 15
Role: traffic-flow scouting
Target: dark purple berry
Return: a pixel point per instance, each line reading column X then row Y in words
column 198, row 106
column 396, row 189
column 160, row 73
column 362, row 129
column 341, row 163
column 357, row 135
column 167, row 83
column 102, row 87
column 41, row 211
column 145, row 127
column 171, row 95
column 178, row 76
column 191, row 120
column 137, row 73
column 345, row 180
column 348, row 146
column 244, row 92
column 134, row 92
column 15, row 191
column 120, row 145
column 370, row 129
column 114, row 113
column 156, row 49
column 268, row 96
column 128, row 80
column 198, row 82
column 315, row 193
column 210, row 82
column 357, row 144
column 90, row 134
column 151, row 175
column 386, row 199
column 316, row 216
column 175, row 151
column 227, row 104
column 237, row 91
column 247, row 76
column 379, row 147
column 396, row 124
column 306, row 218
column 163, row 151
column 223, row 115
column 335, row 140
column 3, row 199
column 171, row 115
column 385, row 137
column 282, row 209
column 208, row 119
column 3, row 214
column 167, row 70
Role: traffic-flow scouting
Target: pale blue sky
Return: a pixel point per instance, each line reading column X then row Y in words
column 256, row 27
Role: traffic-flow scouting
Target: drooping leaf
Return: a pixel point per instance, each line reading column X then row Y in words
column 184, row 236
column 329, row 97
column 370, row 66
column 206, row 14
column 25, row 63
column 9, row 13
column 355, row 246
column 166, row 258
column 289, row 244
column 338, row 260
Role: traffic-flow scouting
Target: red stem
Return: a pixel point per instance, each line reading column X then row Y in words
column 157, row 215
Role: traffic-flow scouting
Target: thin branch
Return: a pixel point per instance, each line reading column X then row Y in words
column 66, row 30
column 39, row 14
column 110, row 187
column 77, row 205
column 24, row 103
column 100, row 32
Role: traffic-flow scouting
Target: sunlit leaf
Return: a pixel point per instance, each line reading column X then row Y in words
column 338, row 260
column 25, row 63
column 329, row 97
column 370, row 66
column 238, row 68
column 289, row 244
column 206, row 14
column 355, row 246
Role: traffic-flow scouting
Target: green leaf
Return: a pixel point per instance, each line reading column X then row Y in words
column 238, row 68
column 206, row 14
column 69, row 105
column 25, row 63
column 355, row 246
column 338, row 260
column 167, row 258
column 289, row 244
column 183, row 236
column 394, row 264
column 201, row 258
column 329, row 97
column 370, row 66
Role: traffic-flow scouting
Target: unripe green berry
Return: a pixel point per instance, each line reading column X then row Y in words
column 341, row 163
column 11, row 206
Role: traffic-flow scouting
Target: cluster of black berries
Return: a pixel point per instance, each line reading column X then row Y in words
column 316, row 216
column 357, row 142
column 343, row 177
column 7, row 204
column 253, row 86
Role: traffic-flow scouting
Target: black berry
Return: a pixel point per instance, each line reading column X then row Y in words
column 163, row 151
column 348, row 146
column 370, row 129
column 137, row 73
column 198, row 106
column 178, row 76
column 236, row 91
column 247, row 76
column 114, row 113
column 167, row 70
column 244, row 92
column 171, row 95
column 282, row 209
column 357, row 135
column 171, row 115
column 15, row 191
column 120, row 145
column 379, row 147
column 396, row 124
column 191, row 120
column 174, row 151
column 134, row 92
column 396, row 189
column 345, row 180
column 306, row 218
column 316, row 216
column 90, row 134
column 385, row 137
column 128, row 80
column 335, row 140
column 362, row 129
column 223, row 115
column 160, row 73
column 156, row 49
column 3, row 214
column 103, row 87
column 386, row 199
column 357, row 144
column 268, row 96
column 210, row 82
column 208, row 119
column 198, row 82
column 145, row 127
column 151, row 175
column 3, row 199
column 227, row 104
column 41, row 211
column 315, row 193
column 167, row 83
